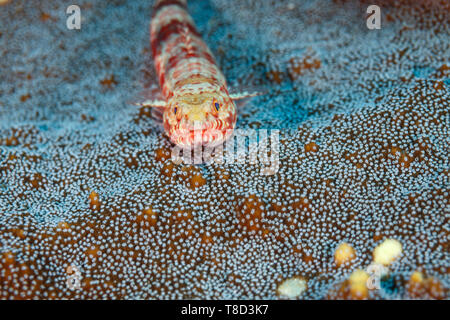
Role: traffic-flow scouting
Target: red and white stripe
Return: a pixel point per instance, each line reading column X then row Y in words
column 189, row 77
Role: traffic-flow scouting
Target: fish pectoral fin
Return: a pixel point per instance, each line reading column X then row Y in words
column 150, row 97
column 152, row 104
column 245, row 94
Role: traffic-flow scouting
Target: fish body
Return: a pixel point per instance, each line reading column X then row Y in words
column 197, row 107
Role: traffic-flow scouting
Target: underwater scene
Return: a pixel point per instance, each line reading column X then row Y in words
column 224, row 149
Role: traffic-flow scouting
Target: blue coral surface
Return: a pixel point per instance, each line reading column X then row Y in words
column 86, row 178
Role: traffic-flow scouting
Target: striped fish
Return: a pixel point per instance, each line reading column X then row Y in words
column 197, row 108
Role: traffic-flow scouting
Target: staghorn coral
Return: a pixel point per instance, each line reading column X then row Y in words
column 86, row 179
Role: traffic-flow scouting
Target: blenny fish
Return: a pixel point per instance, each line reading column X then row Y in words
column 195, row 100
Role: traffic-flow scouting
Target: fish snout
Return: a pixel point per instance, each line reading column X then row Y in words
column 205, row 133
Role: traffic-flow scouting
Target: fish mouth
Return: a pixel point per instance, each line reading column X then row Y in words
column 206, row 137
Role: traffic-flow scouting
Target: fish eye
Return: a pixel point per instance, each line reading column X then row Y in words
column 215, row 107
column 175, row 110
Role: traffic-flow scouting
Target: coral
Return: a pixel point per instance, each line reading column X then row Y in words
column 430, row 288
column 386, row 252
column 292, row 288
column 87, row 181
column 344, row 254
column 358, row 284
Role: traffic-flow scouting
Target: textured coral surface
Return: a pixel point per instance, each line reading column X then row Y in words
column 86, row 178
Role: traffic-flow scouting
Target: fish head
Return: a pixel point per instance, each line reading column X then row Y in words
column 206, row 119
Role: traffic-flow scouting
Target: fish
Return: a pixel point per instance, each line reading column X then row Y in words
column 196, row 106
